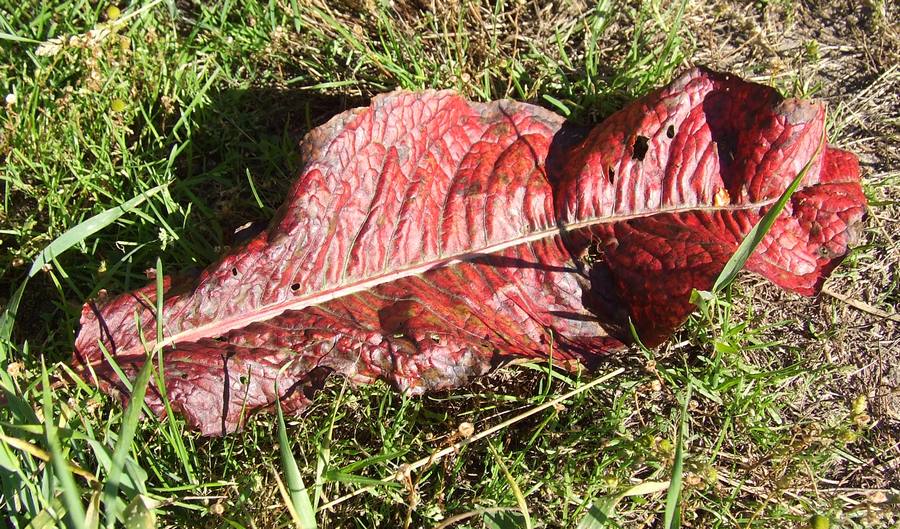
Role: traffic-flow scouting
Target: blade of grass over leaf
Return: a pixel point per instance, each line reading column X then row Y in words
column 759, row 231
column 160, row 322
column 175, row 435
column 130, row 422
column 301, row 506
column 71, row 494
column 672, row 519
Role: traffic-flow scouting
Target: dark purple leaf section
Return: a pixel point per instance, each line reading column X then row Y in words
column 429, row 238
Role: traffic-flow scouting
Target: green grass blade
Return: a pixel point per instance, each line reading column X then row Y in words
column 71, row 494
column 126, row 436
column 15, row 38
column 129, row 423
column 68, row 239
column 343, row 477
column 513, row 486
column 672, row 518
column 175, row 435
column 668, row 57
column 48, row 517
column 160, row 321
column 85, row 229
column 600, row 513
column 302, row 506
column 755, row 235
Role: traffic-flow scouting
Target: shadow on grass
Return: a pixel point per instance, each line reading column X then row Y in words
column 240, row 156
column 246, row 142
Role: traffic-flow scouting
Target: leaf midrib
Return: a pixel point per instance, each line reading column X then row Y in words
column 222, row 326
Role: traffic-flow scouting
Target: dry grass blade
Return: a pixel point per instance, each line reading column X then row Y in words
column 43, row 455
column 471, row 514
column 862, row 306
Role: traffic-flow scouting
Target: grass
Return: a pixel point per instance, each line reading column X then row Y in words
column 189, row 115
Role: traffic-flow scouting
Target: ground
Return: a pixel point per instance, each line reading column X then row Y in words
column 796, row 401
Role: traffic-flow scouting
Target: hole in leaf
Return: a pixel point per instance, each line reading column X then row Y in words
column 244, row 380
column 640, row 148
column 234, row 271
column 610, row 174
column 295, row 287
column 670, row 131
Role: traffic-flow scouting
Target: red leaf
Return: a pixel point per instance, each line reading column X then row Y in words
column 429, row 238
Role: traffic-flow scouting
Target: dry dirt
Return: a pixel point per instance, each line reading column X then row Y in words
column 848, row 54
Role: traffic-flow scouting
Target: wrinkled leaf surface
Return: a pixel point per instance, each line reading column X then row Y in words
column 429, row 238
